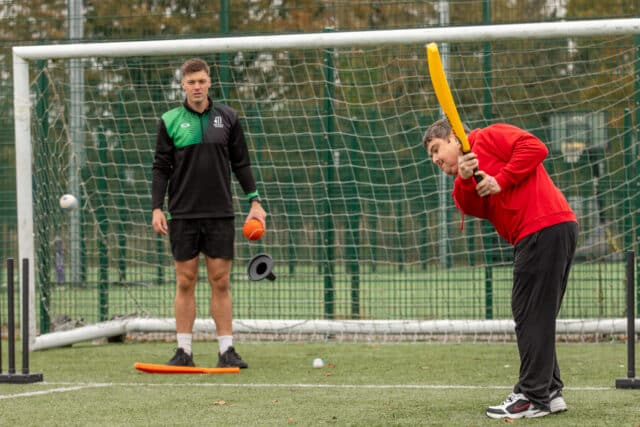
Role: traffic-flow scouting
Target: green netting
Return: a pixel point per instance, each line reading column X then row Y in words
column 361, row 225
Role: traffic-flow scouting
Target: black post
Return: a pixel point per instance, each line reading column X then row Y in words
column 25, row 316
column 9, row 276
column 631, row 319
column 631, row 381
column 11, row 320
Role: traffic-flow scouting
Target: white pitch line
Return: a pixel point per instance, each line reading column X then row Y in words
column 52, row 390
column 319, row 386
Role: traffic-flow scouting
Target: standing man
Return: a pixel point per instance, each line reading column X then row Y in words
column 517, row 195
column 198, row 145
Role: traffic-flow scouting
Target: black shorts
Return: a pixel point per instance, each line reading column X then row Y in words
column 212, row 237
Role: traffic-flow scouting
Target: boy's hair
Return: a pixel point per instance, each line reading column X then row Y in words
column 440, row 129
column 193, row 66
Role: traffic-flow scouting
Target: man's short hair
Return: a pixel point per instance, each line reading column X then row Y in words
column 193, row 66
column 440, row 129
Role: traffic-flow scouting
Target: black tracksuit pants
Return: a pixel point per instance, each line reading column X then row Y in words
column 541, row 269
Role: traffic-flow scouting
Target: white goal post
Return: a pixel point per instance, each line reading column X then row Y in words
column 23, row 108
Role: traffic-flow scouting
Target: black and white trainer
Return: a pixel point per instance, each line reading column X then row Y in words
column 516, row 406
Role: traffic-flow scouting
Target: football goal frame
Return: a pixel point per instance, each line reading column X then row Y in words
column 25, row 56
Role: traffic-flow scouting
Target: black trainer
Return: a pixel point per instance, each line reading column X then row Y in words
column 181, row 359
column 230, row 359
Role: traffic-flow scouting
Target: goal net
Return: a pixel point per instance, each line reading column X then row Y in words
column 365, row 239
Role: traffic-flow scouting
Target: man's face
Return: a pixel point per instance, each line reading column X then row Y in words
column 196, row 86
column 444, row 154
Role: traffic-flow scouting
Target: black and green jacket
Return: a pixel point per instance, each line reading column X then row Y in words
column 195, row 155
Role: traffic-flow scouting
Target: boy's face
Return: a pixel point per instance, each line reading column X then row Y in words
column 444, row 154
column 196, row 86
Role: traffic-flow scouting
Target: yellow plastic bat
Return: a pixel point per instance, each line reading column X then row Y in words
column 443, row 93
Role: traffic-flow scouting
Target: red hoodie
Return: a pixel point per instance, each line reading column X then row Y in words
column 529, row 200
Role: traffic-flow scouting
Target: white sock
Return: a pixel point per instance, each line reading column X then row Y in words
column 224, row 342
column 184, row 342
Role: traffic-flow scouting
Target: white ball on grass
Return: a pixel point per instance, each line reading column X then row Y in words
column 68, row 202
column 318, row 363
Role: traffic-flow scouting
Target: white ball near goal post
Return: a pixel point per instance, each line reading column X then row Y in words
column 68, row 202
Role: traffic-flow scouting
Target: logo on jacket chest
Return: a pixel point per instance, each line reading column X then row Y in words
column 218, row 123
